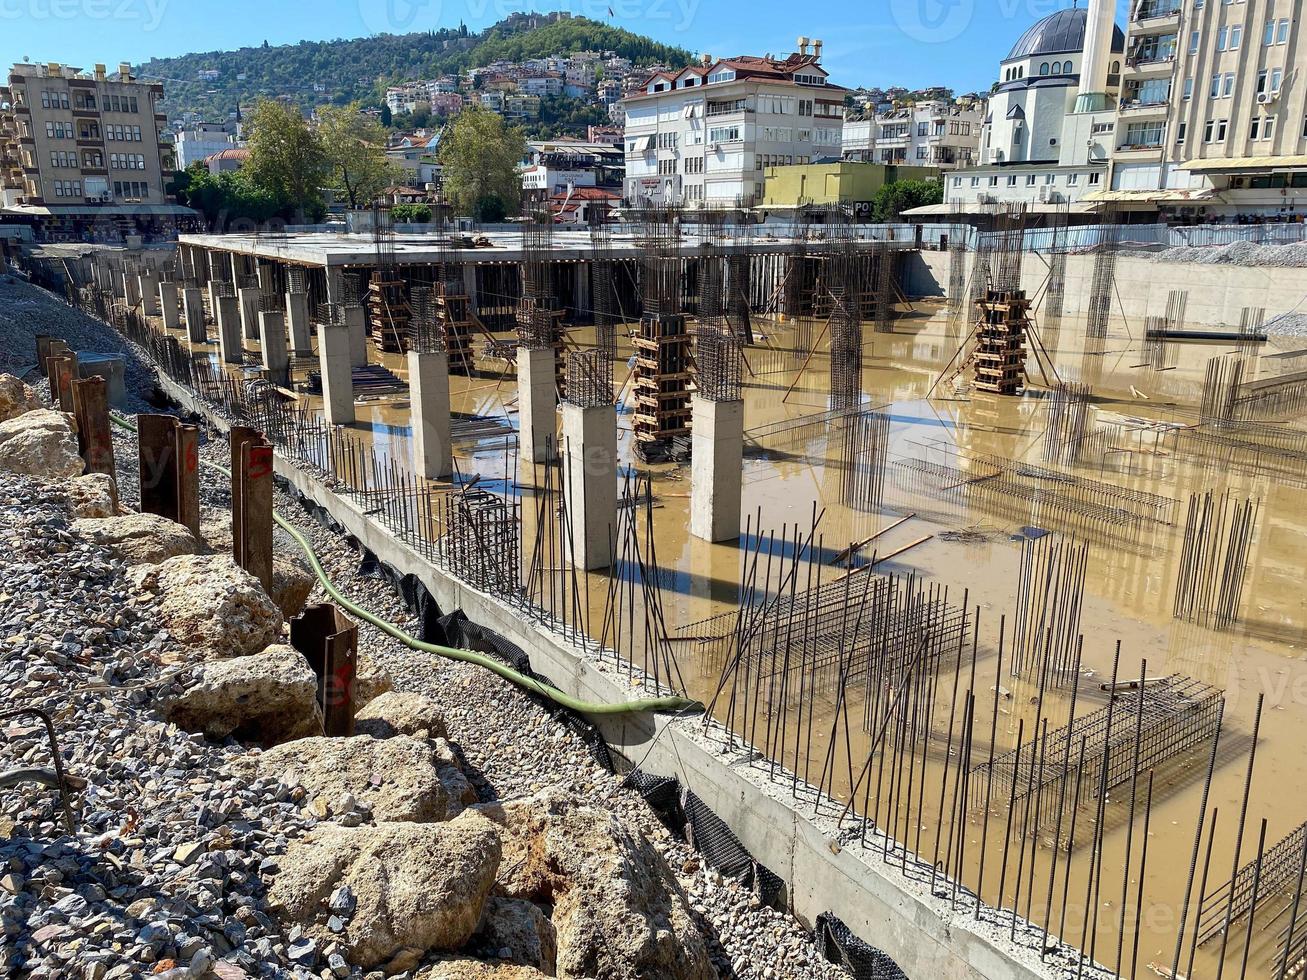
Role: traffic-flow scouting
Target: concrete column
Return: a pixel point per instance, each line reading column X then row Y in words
column 297, row 318
column 535, row 403
column 428, row 383
column 590, row 454
column 168, row 305
column 470, row 285
column 237, row 269
column 131, row 289
column 213, row 297
column 716, row 464
column 337, row 375
column 149, row 293
column 229, row 330
column 356, row 318
column 272, row 340
column 264, row 272
column 249, row 305
column 193, row 301
column 334, row 296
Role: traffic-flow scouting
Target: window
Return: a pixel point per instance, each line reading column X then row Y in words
column 724, row 75
column 923, row 129
column 1030, row 180
column 1236, row 36
column 993, row 181
column 1072, row 179
column 724, row 134
column 1227, row 88
column 1188, row 89
column 1277, row 75
column 975, row 181
column 1043, row 68
column 1215, row 91
column 957, row 181
column 1268, row 127
column 1208, row 130
column 1066, row 68
column 1193, row 43
column 1261, row 81
column 1269, row 37
column 1222, row 38
column 1095, row 177
column 1180, row 131
column 1012, row 180
column 1255, row 128
column 1144, row 133
column 1049, row 178
column 1282, row 31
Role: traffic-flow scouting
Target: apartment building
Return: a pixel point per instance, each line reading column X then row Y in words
column 201, row 140
column 78, row 147
column 706, row 134
column 938, row 134
column 1213, row 113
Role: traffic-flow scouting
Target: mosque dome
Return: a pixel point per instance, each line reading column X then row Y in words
column 1061, row 32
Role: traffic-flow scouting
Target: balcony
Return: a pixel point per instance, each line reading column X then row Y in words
column 1156, row 11
column 1138, row 108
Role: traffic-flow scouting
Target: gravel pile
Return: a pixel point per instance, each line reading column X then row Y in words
column 1290, row 256
column 27, row 310
column 1287, row 325
column 163, row 873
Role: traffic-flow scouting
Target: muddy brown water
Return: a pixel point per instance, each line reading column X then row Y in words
column 1130, row 584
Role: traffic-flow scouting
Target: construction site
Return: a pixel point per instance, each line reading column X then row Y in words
column 975, row 550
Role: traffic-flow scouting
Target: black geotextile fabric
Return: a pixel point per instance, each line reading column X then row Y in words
column 841, row 946
column 689, row 819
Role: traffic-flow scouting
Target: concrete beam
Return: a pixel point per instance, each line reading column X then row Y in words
column 428, row 382
column 716, row 468
column 536, row 400
column 230, row 345
column 337, row 373
column 590, row 455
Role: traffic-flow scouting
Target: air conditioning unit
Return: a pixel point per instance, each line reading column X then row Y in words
column 1265, row 98
column 1043, row 193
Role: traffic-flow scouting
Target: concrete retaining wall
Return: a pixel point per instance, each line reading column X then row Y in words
column 1217, row 293
column 877, row 903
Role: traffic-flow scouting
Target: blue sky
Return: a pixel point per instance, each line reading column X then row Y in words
column 867, row 42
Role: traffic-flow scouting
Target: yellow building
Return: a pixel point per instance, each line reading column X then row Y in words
column 831, row 183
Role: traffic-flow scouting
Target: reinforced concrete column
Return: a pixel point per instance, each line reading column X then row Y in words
column 297, row 318
column 428, row 383
column 536, row 386
column 716, row 464
column 168, row 305
column 249, row 304
column 213, row 298
column 356, row 318
column 470, row 285
column 337, row 374
column 229, row 330
column 193, row 302
column 590, row 454
column 131, row 289
column 272, row 340
column 149, row 293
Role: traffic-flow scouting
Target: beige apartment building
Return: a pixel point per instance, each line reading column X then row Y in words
column 84, row 153
column 1213, row 113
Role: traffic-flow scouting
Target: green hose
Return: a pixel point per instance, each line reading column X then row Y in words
column 675, row 704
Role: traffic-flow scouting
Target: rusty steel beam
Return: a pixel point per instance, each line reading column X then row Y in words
column 329, row 639
column 188, row 476
column 156, row 446
column 251, row 503
column 63, row 371
column 54, row 348
column 94, row 438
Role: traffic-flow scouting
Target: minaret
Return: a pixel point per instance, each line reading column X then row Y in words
column 1097, row 56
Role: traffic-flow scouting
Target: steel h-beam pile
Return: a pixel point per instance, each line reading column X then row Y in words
column 661, row 421
column 388, row 309
column 539, row 319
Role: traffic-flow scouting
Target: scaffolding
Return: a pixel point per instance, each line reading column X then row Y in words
column 661, row 375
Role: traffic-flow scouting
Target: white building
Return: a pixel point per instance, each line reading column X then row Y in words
column 1049, row 129
column 705, row 134
column 203, row 140
column 927, row 134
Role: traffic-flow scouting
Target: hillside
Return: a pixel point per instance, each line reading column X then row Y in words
column 340, row 71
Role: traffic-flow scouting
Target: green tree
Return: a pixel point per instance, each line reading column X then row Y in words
column 286, row 158
column 411, row 214
column 900, row 195
column 354, row 146
column 225, row 199
column 386, row 116
column 480, row 155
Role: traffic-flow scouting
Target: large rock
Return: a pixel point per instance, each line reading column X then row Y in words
column 412, row 886
column 267, row 698
column 401, row 713
column 449, row 770
column 458, row 968
column 396, row 779
column 291, row 585
column 521, row 928
column 139, row 539
column 618, row 911
column 16, row 398
column 371, row 680
column 42, row 444
column 212, row 605
column 91, row 496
